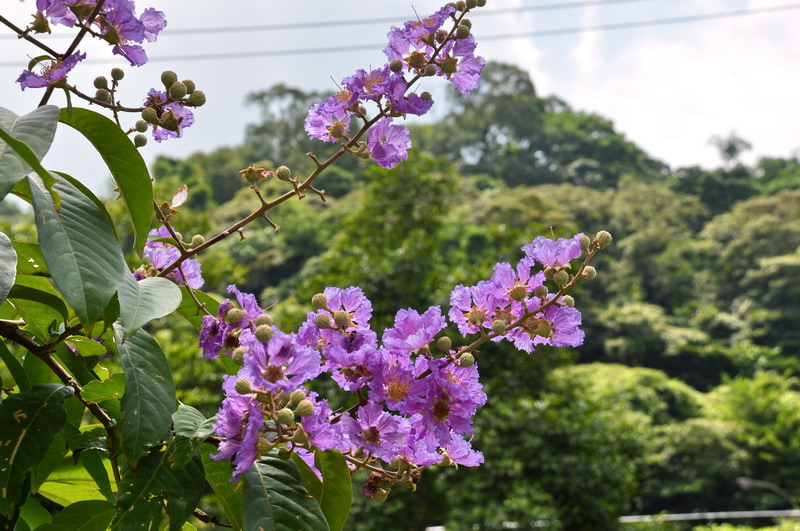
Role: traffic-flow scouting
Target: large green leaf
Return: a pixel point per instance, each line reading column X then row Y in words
column 29, row 259
column 144, row 300
column 274, row 498
column 90, row 515
column 229, row 494
column 336, row 494
column 188, row 308
column 111, row 389
column 79, row 247
column 70, row 483
column 125, row 163
column 35, row 130
column 15, row 368
column 29, row 423
column 149, row 398
column 191, row 429
column 38, row 290
column 8, row 266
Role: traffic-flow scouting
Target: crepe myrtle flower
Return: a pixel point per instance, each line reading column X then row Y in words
column 556, row 325
column 459, row 452
column 459, row 64
column 279, row 365
column 239, row 423
column 370, row 85
column 453, row 396
column 349, row 356
column 413, row 43
column 396, row 381
column 388, row 143
column 413, row 331
column 330, row 120
column 162, row 254
column 515, row 283
column 320, row 431
column 53, row 73
column 558, row 253
column 171, row 118
column 378, row 432
column 472, row 308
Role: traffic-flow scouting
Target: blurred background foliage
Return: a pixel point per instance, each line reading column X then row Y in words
column 688, row 378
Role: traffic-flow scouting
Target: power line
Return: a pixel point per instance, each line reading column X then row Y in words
column 540, row 33
column 371, row 21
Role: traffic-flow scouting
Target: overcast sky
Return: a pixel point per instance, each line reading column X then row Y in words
column 668, row 88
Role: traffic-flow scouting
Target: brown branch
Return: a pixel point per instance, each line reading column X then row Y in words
column 22, row 34
column 208, row 519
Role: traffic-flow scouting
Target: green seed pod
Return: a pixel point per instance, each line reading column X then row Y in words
column 264, row 446
column 299, row 436
column 342, row 319
column 323, row 321
column 177, row 90
column 189, row 84
column 150, row 115
column 305, row 408
column 264, row 333
column 380, row 495
column 197, row 240
column 589, row 272
column 117, row 74
column 561, row 278
column 567, row 300
column 444, row 343
column 284, row 452
column 462, row 32
column 286, row 416
column 498, row 327
column 585, row 242
column 430, row 70
column 549, row 272
column 396, row 65
column 238, row 356
column 603, row 238
column 476, row 317
column 242, row 386
column 196, row 99
column 169, row 121
column 139, row 140
column 544, row 329
column 264, row 319
column 518, row 293
column 103, row 95
column 541, row 291
column 466, row 360
column 283, row 173
column 319, row 301
column 168, row 77
column 101, row 82
column 296, row 397
column 140, row 126
column 234, row 315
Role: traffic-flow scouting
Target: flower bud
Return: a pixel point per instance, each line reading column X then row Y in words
column 498, row 327
column 342, row 319
column 264, row 446
column 168, row 77
column 441, row 35
column 264, row 333
column 238, row 356
column 425, row 96
column 177, row 90
column 472, row 4
column 234, row 315
column 549, row 272
column 139, row 140
column 242, row 386
column 461, row 5
column 589, row 272
column 286, row 416
column 197, row 240
column 544, row 329
column 585, row 242
column 299, row 435
column 518, row 293
column 319, row 301
column 380, row 495
column 196, row 99
column 169, row 121
column 480, row 3
column 305, row 408
column 430, row 70
column 467, row 22
column 189, row 84
column 284, row 452
column 561, row 278
column 541, row 291
column 284, row 174
column 396, row 65
column 603, row 239
column 101, row 82
column 323, row 321
column 568, row 300
column 140, row 126
column 264, row 319
column 466, row 360
column 150, row 115
column 444, row 343
column 117, row 74
column 103, row 95
column 296, row 397
column 462, row 32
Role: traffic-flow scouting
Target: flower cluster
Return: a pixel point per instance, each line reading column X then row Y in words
column 161, row 254
column 420, row 48
column 52, row 72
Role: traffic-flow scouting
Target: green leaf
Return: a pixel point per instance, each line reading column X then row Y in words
column 188, row 308
column 274, row 498
column 39, row 290
column 34, row 514
column 144, row 300
column 55, row 454
column 15, row 368
column 97, row 468
column 229, row 495
column 70, row 483
column 111, row 389
column 29, row 423
column 337, row 490
column 34, row 132
column 311, row 482
column 125, row 163
column 191, row 429
column 90, row 515
column 29, row 259
column 149, row 398
column 86, row 346
column 8, row 266
column 79, row 247
column 145, row 514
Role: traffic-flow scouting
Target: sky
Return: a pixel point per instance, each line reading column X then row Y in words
column 669, row 88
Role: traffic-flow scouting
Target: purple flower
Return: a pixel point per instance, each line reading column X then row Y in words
column 378, row 432
column 551, row 253
column 330, row 119
column 459, row 64
column 461, row 453
column 370, row 85
column 349, row 356
column 154, row 21
column 453, row 396
column 396, row 381
column 51, row 74
column 58, row 11
column 350, row 300
column 406, row 104
column 388, row 144
column 239, row 421
column 214, row 333
column 557, row 325
column 165, row 112
column 162, row 254
column 321, row 433
column 469, row 306
column 280, row 365
column 420, row 446
column 413, row 331
column 413, row 43
column 515, row 284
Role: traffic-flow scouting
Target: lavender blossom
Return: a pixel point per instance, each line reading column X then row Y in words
column 388, row 144
column 165, row 111
column 551, row 253
column 162, row 254
column 378, row 432
column 241, row 440
column 413, row 331
column 280, row 365
column 330, row 120
column 52, row 74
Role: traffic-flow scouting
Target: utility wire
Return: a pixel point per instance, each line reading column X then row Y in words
column 507, row 36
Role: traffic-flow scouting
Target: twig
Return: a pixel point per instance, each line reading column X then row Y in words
column 23, row 35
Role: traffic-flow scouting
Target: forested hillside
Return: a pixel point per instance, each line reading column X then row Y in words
column 688, row 378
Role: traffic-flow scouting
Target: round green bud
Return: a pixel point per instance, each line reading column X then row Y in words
column 603, row 238
column 101, row 82
column 544, row 329
column 518, row 293
column 425, row 96
column 589, row 272
column 196, row 99
column 549, row 272
column 480, row 3
column 476, row 317
column 467, row 22
column 234, row 315
column 380, row 495
column 168, row 77
column 430, row 70
column 472, row 4
column 567, row 300
column 466, row 360
column 238, row 355
column 189, row 84
column 284, row 452
column 396, row 65
column 264, row 333
column 319, row 301
column 462, row 32
column 561, row 278
column 117, row 74
column 178, row 235
column 177, row 90
column 283, row 173
column 444, row 343
column 585, row 242
column 150, row 115
column 296, row 397
column 139, row 140
column 323, row 321
column 103, row 95
column 498, row 327
column 286, row 416
column 541, row 291
column 461, row 5
column 441, row 35
column 242, row 386
column 264, row 319
column 197, row 240
column 342, row 319
column 264, row 446
column 140, row 126
column 305, row 408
